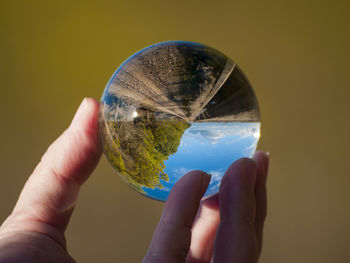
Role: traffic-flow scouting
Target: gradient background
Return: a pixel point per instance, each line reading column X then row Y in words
column 296, row 55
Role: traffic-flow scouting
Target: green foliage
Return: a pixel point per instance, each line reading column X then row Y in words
column 138, row 149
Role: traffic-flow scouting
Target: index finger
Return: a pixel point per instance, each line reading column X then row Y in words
column 172, row 237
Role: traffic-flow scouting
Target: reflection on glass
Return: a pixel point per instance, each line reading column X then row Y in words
column 175, row 107
column 210, row 147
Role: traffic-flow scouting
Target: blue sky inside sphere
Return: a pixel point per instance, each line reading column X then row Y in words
column 211, row 147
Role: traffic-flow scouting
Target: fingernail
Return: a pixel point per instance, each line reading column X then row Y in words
column 80, row 110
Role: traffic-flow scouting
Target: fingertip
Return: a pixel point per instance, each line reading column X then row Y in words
column 77, row 151
column 85, row 122
column 86, row 115
column 260, row 155
column 79, row 112
column 263, row 160
column 195, row 181
column 205, row 182
column 241, row 172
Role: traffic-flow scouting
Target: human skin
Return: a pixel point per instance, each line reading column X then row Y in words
column 224, row 228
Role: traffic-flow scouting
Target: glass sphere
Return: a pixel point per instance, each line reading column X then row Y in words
column 174, row 107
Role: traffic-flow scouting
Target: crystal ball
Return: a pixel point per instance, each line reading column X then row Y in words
column 174, row 107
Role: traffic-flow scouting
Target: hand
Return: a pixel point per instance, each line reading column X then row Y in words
column 227, row 227
column 34, row 232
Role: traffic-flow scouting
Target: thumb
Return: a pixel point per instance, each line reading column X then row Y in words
column 49, row 196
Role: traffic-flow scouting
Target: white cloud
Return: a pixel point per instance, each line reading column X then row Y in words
column 216, row 175
column 214, row 131
column 179, row 172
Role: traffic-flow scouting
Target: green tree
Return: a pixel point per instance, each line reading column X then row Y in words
column 137, row 150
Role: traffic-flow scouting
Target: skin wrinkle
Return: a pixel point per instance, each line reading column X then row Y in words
column 49, row 196
column 39, row 227
column 73, row 174
column 34, row 232
column 34, row 251
column 59, row 207
column 69, row 182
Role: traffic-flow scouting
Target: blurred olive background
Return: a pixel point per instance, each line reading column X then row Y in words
column 296, row 55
